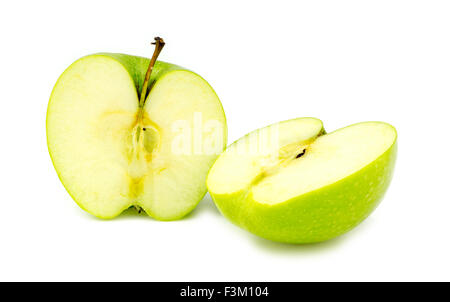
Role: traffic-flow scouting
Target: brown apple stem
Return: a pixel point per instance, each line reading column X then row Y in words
column 159, row 44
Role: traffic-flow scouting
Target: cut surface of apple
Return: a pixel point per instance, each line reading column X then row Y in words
column 310, row 186
column 111, row 153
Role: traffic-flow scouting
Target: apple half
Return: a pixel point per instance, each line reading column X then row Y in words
column 112, row 152
column 290, row 182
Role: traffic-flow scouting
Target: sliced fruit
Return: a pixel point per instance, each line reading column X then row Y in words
column 314, row 187
column 111, row 153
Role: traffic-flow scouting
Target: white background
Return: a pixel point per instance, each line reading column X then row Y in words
column 340, row 61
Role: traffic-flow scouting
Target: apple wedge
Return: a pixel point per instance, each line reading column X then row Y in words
column 305, row 186
column 113, row 150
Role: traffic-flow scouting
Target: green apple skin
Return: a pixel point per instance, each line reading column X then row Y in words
column 316, row 216
column 137, row 68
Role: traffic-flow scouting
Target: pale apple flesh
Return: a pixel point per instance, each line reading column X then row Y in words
column 312, row 188
column 112, row 154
